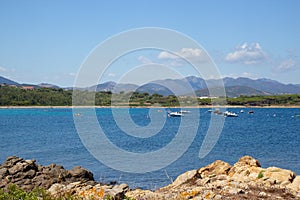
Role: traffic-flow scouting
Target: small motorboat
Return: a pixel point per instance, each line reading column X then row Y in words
column 230, row 114
column 175, row 114
column 250, row 112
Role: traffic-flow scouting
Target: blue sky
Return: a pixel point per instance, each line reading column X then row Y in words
column 47, row 41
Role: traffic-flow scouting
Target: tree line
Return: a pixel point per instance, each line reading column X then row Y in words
column 16, row 96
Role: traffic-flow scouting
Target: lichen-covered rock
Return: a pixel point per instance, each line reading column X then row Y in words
column 246, row 179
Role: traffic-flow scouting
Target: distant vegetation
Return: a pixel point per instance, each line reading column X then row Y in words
column 16, row 96
column 285, row 99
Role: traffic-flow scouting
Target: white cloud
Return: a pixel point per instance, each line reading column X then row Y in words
column 194, row 55
column 111, row 75
column 247, row 54
column 144, row 60
column 3, row 69
column 286, row 65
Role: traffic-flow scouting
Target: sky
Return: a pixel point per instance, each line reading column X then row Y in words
column 48, row 41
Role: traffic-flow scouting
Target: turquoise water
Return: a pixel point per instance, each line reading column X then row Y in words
column 49, row 135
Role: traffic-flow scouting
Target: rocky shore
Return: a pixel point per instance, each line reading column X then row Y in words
column 246, row 179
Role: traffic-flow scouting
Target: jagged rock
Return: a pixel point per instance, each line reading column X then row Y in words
column 57, row 189
column 28, row 175
column 118, row 191
column 216, row 168
column 248, row 161
column 184, row 178
column 246, row 179
column 81, row 172
column 3, row 172
column 279, row 176
column 11, row 161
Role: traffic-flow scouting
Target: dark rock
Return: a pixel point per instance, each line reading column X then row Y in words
column 16, row 168
column 3, row 172
column 79, row 172
column 28, row 175
column 11, row 161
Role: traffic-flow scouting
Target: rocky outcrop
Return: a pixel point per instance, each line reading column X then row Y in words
column 86, row 192
column 57, row 180
column 246, row 179
column 28, row 175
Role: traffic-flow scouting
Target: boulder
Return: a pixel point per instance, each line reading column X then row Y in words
column 28, row 175
column 185, row 177
column 216, row 168
column 246, row 169
column 11, row 161
column 295, row 185
column 79, row 172
column 278, row 175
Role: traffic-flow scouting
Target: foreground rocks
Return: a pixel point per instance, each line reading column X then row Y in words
column 246, row 179
column 28, row 175
column 57, row 180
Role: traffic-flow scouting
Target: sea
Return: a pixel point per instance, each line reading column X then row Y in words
column 51, row 135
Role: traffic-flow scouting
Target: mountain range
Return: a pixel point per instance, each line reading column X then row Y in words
column 233, row 86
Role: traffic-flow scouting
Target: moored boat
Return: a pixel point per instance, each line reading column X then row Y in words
column 175, row 114
column 230, row 114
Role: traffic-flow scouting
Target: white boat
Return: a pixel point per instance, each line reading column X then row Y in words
column 230, row 114
column 175, row 114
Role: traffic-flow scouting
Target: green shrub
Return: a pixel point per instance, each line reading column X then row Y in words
column 260, row 175
column 16, row 193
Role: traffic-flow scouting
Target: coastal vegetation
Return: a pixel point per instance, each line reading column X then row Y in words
column 15, row 96
column 15, row 192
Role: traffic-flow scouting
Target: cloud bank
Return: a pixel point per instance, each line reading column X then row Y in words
column 195, row 55
column 247, row 54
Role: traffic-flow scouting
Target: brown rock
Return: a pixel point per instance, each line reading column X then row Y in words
column 79, row 172
column 247, row 168
column 216, row 168
column 11, row 161
column 183, row 178
column 3, row 172
column 279, row 175
column 28, row 175
column 247, row 161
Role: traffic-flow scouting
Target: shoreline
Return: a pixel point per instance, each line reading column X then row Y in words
column 245, row 179
column 223, row 106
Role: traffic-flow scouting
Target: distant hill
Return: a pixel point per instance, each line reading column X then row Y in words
column 7, row 81
column 155, row 88
column 233, row 86
column 234, row 91
column 264, row 85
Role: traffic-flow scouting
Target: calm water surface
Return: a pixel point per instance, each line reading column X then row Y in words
column 48, row 135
